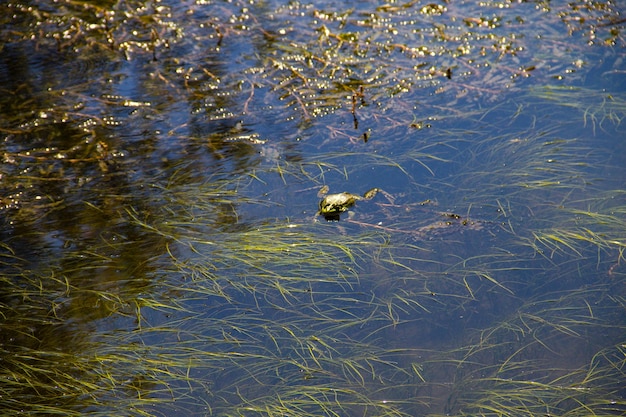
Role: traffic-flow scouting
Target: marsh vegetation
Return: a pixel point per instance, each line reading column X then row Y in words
column 161, row 250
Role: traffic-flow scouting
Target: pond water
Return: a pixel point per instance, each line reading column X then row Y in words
column 162, row 252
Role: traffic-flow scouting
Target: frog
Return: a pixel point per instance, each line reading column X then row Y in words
column 332, row 205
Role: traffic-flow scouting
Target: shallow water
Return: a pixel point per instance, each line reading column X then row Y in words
column 161, row 250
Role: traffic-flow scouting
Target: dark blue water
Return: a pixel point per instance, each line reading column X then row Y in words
column 161, row 248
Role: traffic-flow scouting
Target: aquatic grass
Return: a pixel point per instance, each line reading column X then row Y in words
column 182, row 288
column 399, row 162
column 600, row 228
column 599, row 109
column 566, row 395
column 528, row 164
column 522, row 385
column 262, row 367
column 293, row 336
column 324, row 315
column 270, row 333
column 327, row 400
column 71, row 379
column 555, row 159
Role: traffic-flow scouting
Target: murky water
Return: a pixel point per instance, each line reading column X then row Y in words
column 161, row 249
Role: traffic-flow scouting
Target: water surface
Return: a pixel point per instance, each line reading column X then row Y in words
column 161, row 249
